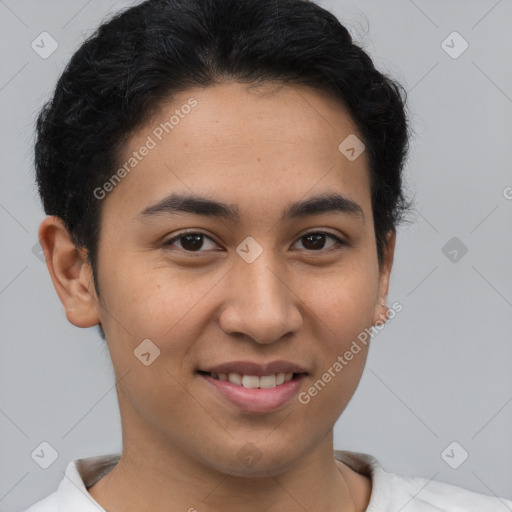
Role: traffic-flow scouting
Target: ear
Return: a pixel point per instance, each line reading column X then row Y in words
column 70, row 272
column 381, row 308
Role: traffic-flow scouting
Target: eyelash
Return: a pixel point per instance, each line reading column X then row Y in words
column 339, row 241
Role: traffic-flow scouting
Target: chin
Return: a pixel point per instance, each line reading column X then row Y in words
column 254, row 460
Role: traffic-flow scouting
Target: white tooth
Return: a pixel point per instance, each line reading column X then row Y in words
column 254, row 382
column 250, row 381
column 235, row 378
column 268, row 381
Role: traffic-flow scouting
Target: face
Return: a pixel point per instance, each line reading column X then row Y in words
column 266, row 283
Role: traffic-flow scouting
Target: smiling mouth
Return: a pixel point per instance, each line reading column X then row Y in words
column 254, row 381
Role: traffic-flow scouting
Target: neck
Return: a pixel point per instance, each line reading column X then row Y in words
column 153, row 479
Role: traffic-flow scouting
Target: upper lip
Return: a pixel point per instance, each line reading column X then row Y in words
column 251, row 368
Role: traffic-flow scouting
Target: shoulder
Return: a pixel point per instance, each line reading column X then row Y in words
column 48, row 504
column 418, row 494
column 393, row 491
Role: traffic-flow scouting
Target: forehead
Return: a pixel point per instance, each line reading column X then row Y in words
column 252, row 146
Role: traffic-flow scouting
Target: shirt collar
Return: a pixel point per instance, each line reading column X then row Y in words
column 79, row 476
column 369, row 466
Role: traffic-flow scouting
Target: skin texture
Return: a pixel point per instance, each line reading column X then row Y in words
column 261, row 150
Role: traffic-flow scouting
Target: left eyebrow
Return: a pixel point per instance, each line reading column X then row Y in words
column 189, row 203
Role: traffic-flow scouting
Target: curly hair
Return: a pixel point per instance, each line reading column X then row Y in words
column 142, row 56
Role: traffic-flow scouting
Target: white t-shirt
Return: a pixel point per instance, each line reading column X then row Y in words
column 391, row 492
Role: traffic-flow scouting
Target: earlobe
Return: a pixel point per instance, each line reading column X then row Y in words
column 70, row 272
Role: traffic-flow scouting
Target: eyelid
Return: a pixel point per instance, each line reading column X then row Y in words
column 170, row 241
column 340, row 241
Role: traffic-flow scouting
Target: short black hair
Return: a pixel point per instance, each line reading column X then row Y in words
column 142, row 56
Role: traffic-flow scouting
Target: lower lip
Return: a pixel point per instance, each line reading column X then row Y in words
column 256, row 400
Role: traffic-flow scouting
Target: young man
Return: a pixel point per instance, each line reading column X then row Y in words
column 223, row 182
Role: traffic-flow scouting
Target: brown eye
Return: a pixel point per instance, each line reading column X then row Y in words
column 193, row 242
column 189, row 242
column 316, row 241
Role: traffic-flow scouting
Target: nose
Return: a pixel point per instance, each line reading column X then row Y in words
column 260, row 303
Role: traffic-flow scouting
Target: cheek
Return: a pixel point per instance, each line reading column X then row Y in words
column 343, row 302
column 329, row 393
column 340, row 308
column 141, row 296
column 147, row 321
column 155, row 303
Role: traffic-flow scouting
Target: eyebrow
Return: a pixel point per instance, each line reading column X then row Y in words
column 189, row 203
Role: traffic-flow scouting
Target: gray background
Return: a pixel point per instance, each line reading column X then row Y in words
column 438, row 372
